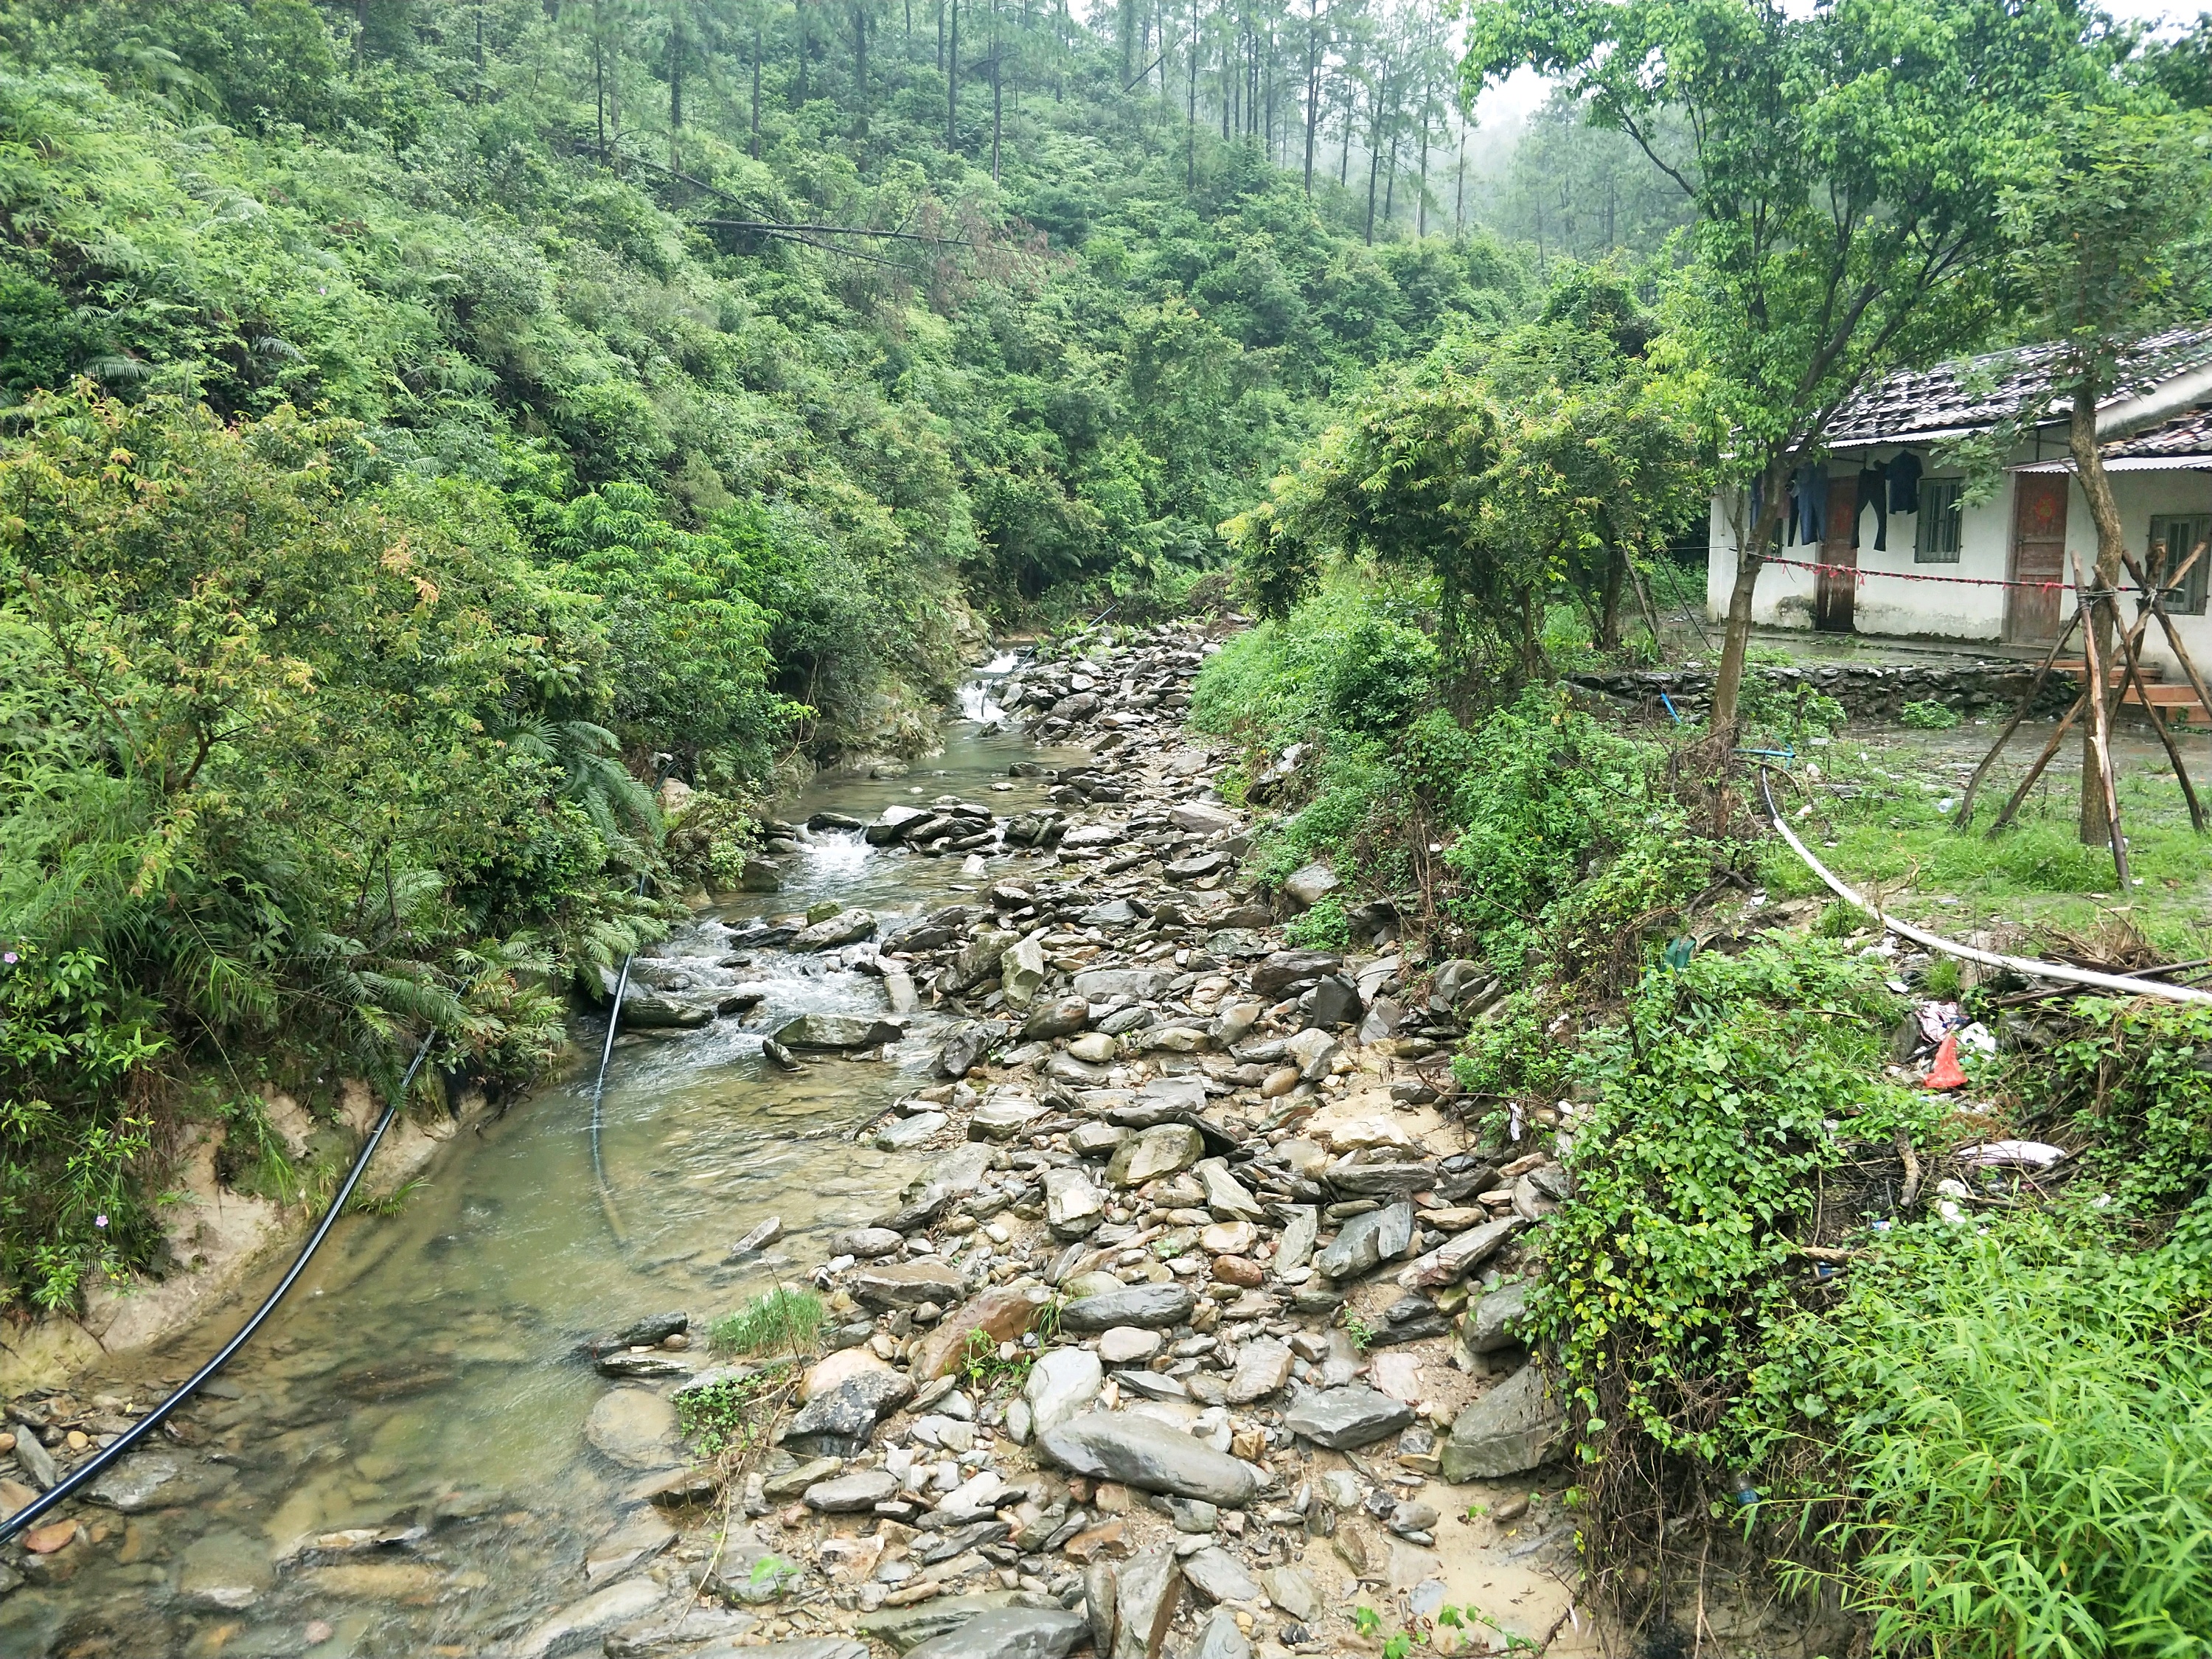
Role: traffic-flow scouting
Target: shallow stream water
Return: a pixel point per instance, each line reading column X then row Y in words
column 427, row 1371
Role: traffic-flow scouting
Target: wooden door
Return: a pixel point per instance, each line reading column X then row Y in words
column 2038, row 554
column 1838, row 581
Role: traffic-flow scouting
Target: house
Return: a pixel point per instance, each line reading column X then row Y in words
column 1897, row 547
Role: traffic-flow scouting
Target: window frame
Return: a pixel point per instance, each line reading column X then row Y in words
column 2189, row 599
column 1930, row 524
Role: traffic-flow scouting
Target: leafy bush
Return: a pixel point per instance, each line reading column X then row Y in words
column 1322, row 927
column 279, row 789
column 1719, row 1105
column 1385, row 673
column 1928, row 716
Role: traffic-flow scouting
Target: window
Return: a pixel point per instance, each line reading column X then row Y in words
column 2173, row 537
column 1936, row 535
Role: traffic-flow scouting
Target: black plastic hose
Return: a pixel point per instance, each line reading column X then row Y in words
column 63, row 1490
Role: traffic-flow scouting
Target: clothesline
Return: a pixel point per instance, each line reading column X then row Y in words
column 2051, row 586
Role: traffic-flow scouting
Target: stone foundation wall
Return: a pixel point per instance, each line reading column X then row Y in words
column 1876, row 691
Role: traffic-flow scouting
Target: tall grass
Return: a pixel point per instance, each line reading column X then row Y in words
column 2032, row 1452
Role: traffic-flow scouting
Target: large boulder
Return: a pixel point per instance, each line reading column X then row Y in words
column 1149, row 1455
column 1004, row 1633
column 838, row 1421
column 1145, row 984
column 1365, row 1242
column 1308, row 887
column 844, row 929
column 894, row 824
column 839, row 1032
column 1509, row 1430
column 1497, row 1319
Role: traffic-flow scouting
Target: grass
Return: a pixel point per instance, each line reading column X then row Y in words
column 1895, row 838
column 2031, row 1443
column 782, row 1320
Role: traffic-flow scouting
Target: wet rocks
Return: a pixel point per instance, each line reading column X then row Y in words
column 1509, row 1430
column 602, row 1610
column 838, row 1032
column 843, row 928
column 634, row 1427
column 1347, row 1418
column 966, row 1044
column 225, row 1569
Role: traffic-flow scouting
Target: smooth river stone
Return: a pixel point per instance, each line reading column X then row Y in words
column 634, row 1428
column 1147, row 1454
column 1155, row 1307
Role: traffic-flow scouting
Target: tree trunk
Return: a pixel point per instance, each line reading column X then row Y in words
column 1374, row 151
column 859, row 71
column 675, row 87
column 1608, row 622
column 1313, row 83
column 757, row 72
column 2096, row 829
column 1190, row 114
column 952, row 81
column 1735, row 642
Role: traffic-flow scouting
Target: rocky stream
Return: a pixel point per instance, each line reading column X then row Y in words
column 1169, row 1307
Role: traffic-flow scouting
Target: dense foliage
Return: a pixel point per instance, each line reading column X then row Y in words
column 428, row 414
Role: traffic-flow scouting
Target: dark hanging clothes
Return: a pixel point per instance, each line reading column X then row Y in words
column 1871, row 495
column 1812, row 504
column 1904, row 482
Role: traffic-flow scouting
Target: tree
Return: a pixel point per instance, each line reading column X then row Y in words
column 2108, row 246
column 1842, row 166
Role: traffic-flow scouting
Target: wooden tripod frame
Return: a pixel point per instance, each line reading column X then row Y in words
column 2150, row 602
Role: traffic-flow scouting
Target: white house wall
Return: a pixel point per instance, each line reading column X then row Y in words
column 2139, row 496
column 1938, row 609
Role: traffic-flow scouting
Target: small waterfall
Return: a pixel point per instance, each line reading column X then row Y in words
column 974, row 697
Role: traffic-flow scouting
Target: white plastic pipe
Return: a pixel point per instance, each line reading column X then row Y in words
column 2065, row 973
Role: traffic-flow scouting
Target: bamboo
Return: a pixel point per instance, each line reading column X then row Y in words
column 2128, row 642
column 2173, row 635
column 2035, row 771
column 2026, row 702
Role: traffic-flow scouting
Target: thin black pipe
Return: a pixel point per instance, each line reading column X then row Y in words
column 63, row 1490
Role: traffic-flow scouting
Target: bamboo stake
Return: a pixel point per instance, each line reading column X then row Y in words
column 2128, row 644
column 2100, row 726
column 2019, row 713
column 2035, row 771
column 2172, row 633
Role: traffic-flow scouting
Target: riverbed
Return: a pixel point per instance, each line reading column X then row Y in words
column 426, row 1384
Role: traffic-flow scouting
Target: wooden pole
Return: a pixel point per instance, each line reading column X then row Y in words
column 2019, row 713
column 2172, row 634
column 2099, row 721
column 2035, row 771
column 2158, row 725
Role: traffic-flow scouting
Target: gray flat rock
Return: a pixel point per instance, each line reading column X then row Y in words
column 1147, row 1454
column 1347, row 1418
column 1218, row 1575
column 1009, row 1633
column 1509, row 1430
column 1150, row 1307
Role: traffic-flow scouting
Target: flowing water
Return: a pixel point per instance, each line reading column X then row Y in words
column 426, row 1371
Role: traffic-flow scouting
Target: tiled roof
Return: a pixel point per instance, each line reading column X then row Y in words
column 2186, row 435
column 1976, row 392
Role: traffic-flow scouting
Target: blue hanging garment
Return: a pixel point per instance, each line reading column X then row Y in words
column 1871, row 495
column 1813, row 504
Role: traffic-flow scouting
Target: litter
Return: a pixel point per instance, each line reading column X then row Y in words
column 2017, row 1154
column 1946, row 1074
column 1978, row 1038
column 1936, row 1018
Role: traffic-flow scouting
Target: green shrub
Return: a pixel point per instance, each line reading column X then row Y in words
column 1928, row 716
column 1384, row 674
column 1322, row 927
column 1698, row 1167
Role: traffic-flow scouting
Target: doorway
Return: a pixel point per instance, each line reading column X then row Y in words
column 2039, row 556
column 1837, row 587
